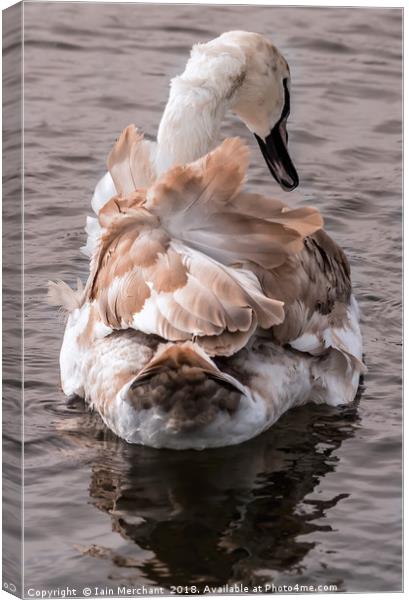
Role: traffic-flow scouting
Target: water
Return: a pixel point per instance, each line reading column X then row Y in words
column 317, row 499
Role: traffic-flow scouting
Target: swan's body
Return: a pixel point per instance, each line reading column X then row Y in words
column 208, row 311
column 215, row 402
column 194, row 411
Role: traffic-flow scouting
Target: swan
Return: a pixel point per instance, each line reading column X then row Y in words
column 209, row 310
column 239, row 71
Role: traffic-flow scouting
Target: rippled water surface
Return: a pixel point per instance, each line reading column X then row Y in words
column 317, row 499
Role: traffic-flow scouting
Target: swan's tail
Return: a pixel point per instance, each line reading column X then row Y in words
column 184, row 385
column 173, row 400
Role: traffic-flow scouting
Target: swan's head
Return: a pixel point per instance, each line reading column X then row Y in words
column 260, row 96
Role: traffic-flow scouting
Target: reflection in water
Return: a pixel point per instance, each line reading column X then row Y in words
column 225, row 515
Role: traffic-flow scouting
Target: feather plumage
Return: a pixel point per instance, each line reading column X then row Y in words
column 129, row 162
column 170, row 258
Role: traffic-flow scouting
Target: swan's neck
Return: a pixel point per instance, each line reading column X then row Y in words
column 198, row 101
column 190, row 124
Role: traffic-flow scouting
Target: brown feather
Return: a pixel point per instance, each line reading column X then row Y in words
column 129, row 162
column 205, row 292
column 169, row 273
column 131, row 297
column 210, row 182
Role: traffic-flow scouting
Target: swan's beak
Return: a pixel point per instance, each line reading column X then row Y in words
column 274, row 149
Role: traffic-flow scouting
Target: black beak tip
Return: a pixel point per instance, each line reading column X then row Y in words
column 288, row 186
column 278, row 160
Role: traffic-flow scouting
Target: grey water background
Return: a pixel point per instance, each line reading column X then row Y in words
column 315, row 500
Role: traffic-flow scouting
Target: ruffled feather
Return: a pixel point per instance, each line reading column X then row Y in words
column 175, row 260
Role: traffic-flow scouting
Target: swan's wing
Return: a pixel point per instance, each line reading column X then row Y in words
column 130, row 165
column 321, row 313
column 333, row 321
column 202, row 204
column 143, row 279
column 176, row 261
column 129, row 162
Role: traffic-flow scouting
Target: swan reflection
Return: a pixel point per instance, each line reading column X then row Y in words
column 236, row 514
